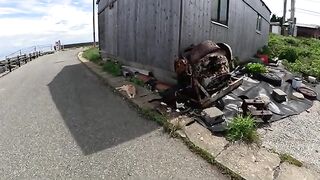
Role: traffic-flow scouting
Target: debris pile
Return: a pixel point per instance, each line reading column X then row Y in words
column 204, row 70
column 212, row 91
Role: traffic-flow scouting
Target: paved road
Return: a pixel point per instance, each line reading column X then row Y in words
column 58, row 121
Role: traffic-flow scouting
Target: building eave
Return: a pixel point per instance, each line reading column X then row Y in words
column 266, row 6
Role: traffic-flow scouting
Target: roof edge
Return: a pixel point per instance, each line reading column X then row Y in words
column 262, row 3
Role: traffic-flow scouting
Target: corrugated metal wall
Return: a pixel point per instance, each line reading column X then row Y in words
column 145, row 33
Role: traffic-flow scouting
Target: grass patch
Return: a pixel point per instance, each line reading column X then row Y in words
column 154, row 116
column 161, row 120
column 289, row 159
column 113, row 68
column 243, row 129
column 92, row 55
column 137, row 81
column 254, row 68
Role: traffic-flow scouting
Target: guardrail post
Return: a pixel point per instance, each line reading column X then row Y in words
column 25, row 58
column 18, row 61
column 9, row 64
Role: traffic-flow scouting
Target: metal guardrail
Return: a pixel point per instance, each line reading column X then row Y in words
column 16, row 61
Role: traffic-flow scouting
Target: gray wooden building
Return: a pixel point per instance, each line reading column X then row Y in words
column 150, row 34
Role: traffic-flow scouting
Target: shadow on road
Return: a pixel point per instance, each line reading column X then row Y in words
column 96, row 117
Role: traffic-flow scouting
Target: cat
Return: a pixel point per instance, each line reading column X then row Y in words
column 129, row 89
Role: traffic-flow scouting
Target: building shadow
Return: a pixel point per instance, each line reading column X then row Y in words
column 96, row 117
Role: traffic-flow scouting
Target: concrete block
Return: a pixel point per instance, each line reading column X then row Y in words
column 312, row 79
column 204, row 139
column 211, row 115
column 279, row 96
column 249, row 162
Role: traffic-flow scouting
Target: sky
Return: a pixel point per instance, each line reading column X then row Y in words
column 307, row 11
column 26, row 23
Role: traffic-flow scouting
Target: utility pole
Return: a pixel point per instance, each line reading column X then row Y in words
column 284, row 17
column 293, row 10
column 94, row 22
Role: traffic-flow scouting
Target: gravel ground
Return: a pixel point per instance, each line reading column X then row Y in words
column 298, row 136
column 58, row 121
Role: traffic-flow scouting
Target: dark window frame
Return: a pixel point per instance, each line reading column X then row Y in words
column 218, row 20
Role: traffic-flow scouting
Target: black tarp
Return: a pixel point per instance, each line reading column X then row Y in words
column 251, row 89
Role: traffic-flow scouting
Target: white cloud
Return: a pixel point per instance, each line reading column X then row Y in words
column 38, row 22
column 7, row 11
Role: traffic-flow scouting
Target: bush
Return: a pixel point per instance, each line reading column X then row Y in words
column 265, row 50
column 254, row 68
column 92, row 54
column 113, row 68
column 242, row 128
column 290, row 54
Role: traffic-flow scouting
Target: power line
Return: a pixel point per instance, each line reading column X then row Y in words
column 301, row 12
column 308, row 10
column 314, row 1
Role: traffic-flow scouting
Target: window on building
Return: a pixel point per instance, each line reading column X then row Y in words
column 220, row 11
column 259, row 23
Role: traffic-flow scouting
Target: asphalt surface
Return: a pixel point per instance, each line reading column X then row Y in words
column 57, row 120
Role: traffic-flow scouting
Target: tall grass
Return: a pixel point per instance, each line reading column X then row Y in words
column 92, row 54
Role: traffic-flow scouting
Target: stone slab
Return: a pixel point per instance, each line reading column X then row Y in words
column 250, row 162
column 205, row 140
column 181, row 121
column 291, row 172
column 117, row 81
column 143, row 102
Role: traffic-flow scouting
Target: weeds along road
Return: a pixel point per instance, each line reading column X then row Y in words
column 57, row 120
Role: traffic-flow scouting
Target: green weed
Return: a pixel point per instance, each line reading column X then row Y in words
column 243, row 129
column 254, row 68
column 92, row 54
column 289, row 159
column 113, row 68
column 137, row 81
